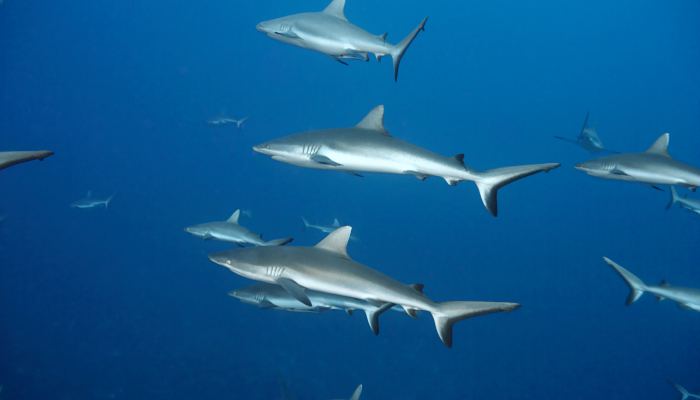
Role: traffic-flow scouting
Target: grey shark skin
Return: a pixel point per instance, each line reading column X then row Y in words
column 231, row 231
column 266, row 295
column 91, row 202
column 330, row 33
column 10, row 158
column 688, row 298
column 691, row 205
column 328, row 268
column 587, row 139
column 654, row 166
column 685, row 394
column 368, row 147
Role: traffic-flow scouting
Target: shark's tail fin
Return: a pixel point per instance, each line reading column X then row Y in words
column 109, row 200
column 356, row 394
column 684, row 393
column 278, row 242
column 490, row 181
column 399, row 49
column 447, row 313
column 674, row 198
column 306, row 223
column 637, row 287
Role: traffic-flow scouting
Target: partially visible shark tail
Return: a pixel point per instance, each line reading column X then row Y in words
column 490, row 181
column 674, row 198
column 109, row 200
column 448, row 313
column 398, row 51
column 306, row 223
column 637, row 287
column 278, row 242
column 684, row 393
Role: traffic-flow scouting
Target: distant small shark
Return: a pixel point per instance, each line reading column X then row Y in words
column 225, row 121
column 587, row 139
column 328, row 268
column 356, row 394
column 231, row 231
column 692, row 205
column 368, row 147
column 10, row 158
column 654, row 166
column 265, row 295
column 688, row 298
column 684, row 393
column 325, row 229
column 329, row 32
column 91, row 202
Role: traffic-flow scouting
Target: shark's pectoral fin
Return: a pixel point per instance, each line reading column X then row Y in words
column 288, row 34
column 618, row 171
column 373, row 316
column 297, row 291
column 657, row 188
column 324, row 160
column 418, row 175
column 266, row 304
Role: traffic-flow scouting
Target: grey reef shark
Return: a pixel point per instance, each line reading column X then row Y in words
column 587, row 139
column 329, row 32
column 231, row 231
column 688, row 298
column 10, row 158
column 89, row 201
column 685, row 394
column 328, row 268
column 226, row 121
column 692, row 205
column 325, row 228
column 654, row 167
column 368, row 147
column 269, row 296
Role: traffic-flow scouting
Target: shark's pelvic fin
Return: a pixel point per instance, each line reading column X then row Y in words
column 374, row 120
column 660, row 146
column 637, row 287
column 336, row 9
column 233, row 219
column 337, row 241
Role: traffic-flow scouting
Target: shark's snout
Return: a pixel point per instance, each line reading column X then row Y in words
column 219, row 259
column 260, row 27
column 263, row 148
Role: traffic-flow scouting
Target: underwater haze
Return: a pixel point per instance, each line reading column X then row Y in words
column 120, row 302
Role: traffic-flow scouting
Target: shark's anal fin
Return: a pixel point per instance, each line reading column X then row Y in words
column 324, row 160
column 296, row 290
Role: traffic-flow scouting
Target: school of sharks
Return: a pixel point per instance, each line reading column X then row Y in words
column 324, row 277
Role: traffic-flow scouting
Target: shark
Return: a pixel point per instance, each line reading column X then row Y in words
column 226, row 121
column 91, row 202
column 329, row 32
column 10, row 158
column 587, row 139
column 688, row 298
column 265, row 295
column 654, row 167
column 356, row 394
column 231, row 231
column 325, row 228
column 685, row 394
column 368, row 147
column 692, row 205
column 327, row 267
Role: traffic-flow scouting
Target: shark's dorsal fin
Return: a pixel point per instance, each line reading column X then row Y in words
column 337, row 241
column 374, row 120
column 336, row 223
column 233, row 219
column 660, row 146
column 336, row 9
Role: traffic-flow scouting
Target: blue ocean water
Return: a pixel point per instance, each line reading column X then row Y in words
column 123, row 304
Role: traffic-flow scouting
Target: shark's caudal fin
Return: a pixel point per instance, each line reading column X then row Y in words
column 278, row 242
column 398, row 51
column 109, row 200
column 357, row 393
column 447, row 313
column 490, row 181
column 674, row 198
column 637, row 287
column 685, row 394
column 306, row 223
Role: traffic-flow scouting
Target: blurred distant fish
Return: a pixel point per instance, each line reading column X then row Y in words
column 10, row 158
column 684, row 393
column 231, row 231
column 587, row 139
column 91, row 202
column 226, row 121
column 687, row 298
column 328, row 268
column 356, row 394
column 369, row 147
column 692, row 205
column 265, row 295
column 330, row 33
column 654, row 167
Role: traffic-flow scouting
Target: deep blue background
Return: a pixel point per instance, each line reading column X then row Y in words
column 122, row 304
